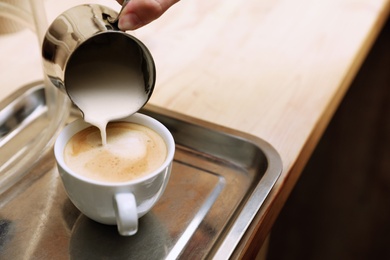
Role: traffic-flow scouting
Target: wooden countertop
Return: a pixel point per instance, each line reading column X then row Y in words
column 273, row 69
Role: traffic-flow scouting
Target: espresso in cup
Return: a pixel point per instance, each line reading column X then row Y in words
column 132, row 151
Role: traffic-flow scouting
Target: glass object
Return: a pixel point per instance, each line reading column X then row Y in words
column 30, row 14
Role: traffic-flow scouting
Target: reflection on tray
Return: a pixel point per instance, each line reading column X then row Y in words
column 91, row 240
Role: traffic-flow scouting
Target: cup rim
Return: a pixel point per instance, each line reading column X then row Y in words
column 79, row 124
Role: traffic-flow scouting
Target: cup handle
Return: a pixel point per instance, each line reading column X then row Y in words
column 126, row 213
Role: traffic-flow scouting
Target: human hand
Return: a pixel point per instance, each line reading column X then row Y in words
column 138, row 13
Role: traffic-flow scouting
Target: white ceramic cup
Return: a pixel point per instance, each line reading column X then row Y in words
column 119, row 203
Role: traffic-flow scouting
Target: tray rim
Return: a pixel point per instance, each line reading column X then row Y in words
column 274, row 169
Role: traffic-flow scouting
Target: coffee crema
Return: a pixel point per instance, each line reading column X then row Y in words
column 132, row 151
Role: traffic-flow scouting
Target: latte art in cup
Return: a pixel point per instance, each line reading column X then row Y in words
column 132, row 151
column 119, row 182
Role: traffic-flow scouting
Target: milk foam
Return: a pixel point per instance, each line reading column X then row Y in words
column 104, row 78
column 105, row 92
column 132, row 151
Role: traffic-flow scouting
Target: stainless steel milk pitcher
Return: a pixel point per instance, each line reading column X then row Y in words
column 85, row 34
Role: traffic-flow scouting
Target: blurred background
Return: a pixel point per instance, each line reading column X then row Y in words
column 340, row 207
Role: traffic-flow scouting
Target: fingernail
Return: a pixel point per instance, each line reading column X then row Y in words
column 129, row 22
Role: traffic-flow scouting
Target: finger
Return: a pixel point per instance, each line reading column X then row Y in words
column 138, row 13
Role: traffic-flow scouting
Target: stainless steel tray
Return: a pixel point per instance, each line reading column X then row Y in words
column 220, row 179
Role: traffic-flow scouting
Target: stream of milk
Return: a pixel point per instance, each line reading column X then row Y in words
column 106, row 91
